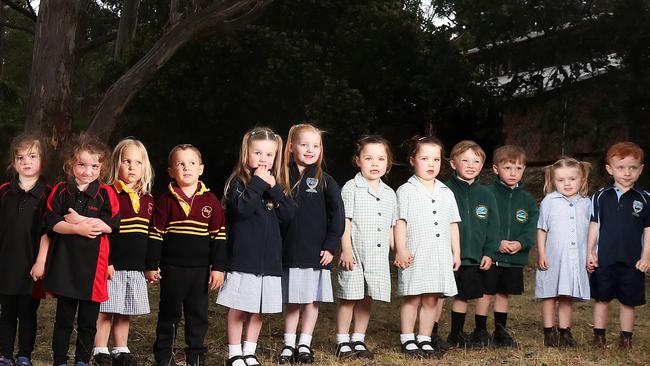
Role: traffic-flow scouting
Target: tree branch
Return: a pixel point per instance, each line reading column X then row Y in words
column 20, row 9
column 97, row 42
column 17, row 27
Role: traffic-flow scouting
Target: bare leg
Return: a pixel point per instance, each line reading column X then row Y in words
column 548, row 312
column 344, row 316
column 104, row 321
column 253, row 328
column 501, row 303
column 120, row 332
column 483, row 305
column 309, row 318
column 459, row 306
column 408, row 313
column 427, row 314
column 362, row 315
column 626, row 317
column 565, row 311
column 291, row 318
column 236, row 320
column 600, row 314
column 441, row 303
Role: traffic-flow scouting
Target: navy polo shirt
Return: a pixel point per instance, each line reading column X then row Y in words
column 622, row 218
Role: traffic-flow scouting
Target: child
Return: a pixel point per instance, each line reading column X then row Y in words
column 518, row 213
column 310, row 241
column 131, row 175
column 256, row 206
column 620, row 224
column 80, row 213
column 479, row 241
column 427, row 248
column 562, row 244
column 22, row 205
column 364, row 271
column 186, row 252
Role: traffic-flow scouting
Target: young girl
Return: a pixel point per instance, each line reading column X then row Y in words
column 132, row 176
column 427, row 247
column 310, row 241
column 22, row 204
column 80, row 213
column 256, row 206
column 364, row 272
column 562, row 245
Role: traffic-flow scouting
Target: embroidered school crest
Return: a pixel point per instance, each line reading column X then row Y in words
column 311, row 183
column 521, row 215
column 150, row 208
column 637, row 206
column 481, row 212
column 206, row 211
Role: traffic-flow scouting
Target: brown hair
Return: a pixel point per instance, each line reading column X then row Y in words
column 27, row 141
column 92, row 145
column 509, row 154
column 465, row 145
column 292, row 137
column 180, row 147
column 374, row 139
column 624, row 149
column 417, row 141
column 566, row 162
column 146, row 181
column 242, row 171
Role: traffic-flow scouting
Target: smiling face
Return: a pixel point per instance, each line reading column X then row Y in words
column 131, row 168
column 261, row 154
column 567, row 180
column 626, row 171
column 372, row 161
column 306, row 149
column 426, row 162
column 86, row 168
column 509, row 173
column 467, row 165
column 186, row 167
column 27, row 162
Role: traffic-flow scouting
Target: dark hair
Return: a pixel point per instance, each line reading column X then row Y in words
column 24, row 140
column 91, row 144
column 417, row 141
column 374, row 139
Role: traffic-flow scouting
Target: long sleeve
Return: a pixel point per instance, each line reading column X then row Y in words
column 243, row 202
column 528, row 237
column 157, row 229
column 492, row 239
column 286, row 205
column 218, row 238
column 335, row 216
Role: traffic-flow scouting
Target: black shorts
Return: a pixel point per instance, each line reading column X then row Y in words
column 504, row 280
column 618, row 281
column 469, row 280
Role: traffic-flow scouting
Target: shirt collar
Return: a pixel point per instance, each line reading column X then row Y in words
column 361, row 182
column 36, row 191
column 91, row 190
column 182, row 199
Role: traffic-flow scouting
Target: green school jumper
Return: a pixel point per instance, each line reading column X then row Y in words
column 479, row 228
column 518, row 214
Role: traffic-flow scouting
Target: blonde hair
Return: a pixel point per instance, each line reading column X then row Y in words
column 242, row 171
column 292, row 137
column 92, row 145
column 180, row 147
column 566, row 162
column 26, row 141
column 146, row 181
column 465, row 145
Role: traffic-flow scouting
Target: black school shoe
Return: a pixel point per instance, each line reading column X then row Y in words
column 479, row 339
column 344, row 354
column 231, row 360
column 305, row 357
column 502, row 338
column 284, row 360
column 440, row 343
column 460, row 340
column 434, row 352
column 253, row 357
column 362, row 353
column 125, row 359
column 102, row 359
column 412, row 352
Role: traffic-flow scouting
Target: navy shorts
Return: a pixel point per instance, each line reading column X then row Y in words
column 469, row 280
column 618, row 281
column 504, row 280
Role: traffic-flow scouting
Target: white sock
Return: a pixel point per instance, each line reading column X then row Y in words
column 249, row 348
column 290, row 340
column 234, row 350
column 98, row 350
column 358, row 337
column 343, row 338
column 421, row 339
column 405, row 337
column 305, row 340
column 118, row 350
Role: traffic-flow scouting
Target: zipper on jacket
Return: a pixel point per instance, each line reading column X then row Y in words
column 509, row 210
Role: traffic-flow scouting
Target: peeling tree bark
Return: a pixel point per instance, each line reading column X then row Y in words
column 127, row 27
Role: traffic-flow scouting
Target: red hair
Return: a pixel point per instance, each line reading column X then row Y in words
column 624, row 149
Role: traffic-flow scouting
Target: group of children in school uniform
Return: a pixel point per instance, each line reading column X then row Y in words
column 271, row 243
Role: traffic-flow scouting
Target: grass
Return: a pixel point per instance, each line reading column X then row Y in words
column 383, row 336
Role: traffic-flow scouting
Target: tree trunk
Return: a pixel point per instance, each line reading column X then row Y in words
column 222, row 17
column 60, row 31
column 2, row 39
column 127, row 27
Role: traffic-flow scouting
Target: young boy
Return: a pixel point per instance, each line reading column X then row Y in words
column 186, row 237
column 620, row 223
column 518, row 213
column 479, row 241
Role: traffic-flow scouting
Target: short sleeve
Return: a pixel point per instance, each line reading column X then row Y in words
column 403, row 203
column 646, row 218
column 347, row 194
column 544, row 213
column 452, row 206
column 394, row 218
column 110, row 210
column 594, row 207
column 54, row 212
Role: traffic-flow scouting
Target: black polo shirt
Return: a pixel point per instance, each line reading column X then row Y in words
column 622, row 221
column 21, row 226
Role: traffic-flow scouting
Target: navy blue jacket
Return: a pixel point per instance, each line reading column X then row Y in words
column 319, row 221
column 254, row 214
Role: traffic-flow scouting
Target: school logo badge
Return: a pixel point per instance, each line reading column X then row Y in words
column 150, row 208
column 637, row 206
column 206, row 211
column 521, row 215
column 481, row 212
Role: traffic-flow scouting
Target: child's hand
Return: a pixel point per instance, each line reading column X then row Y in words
column 152, row 276
column 643, row 265
column 87, row 229
column 504, row 247
column 216, row 280
column 456, row 262
column 72, row 217
column 263, row 173
column 542, row 262
column 403, row 258
column 38, row 271
column 514, row 247
column 592, row 262
column 486, row 263
column 111, row 272
column 325, row 257
column 347, row 261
